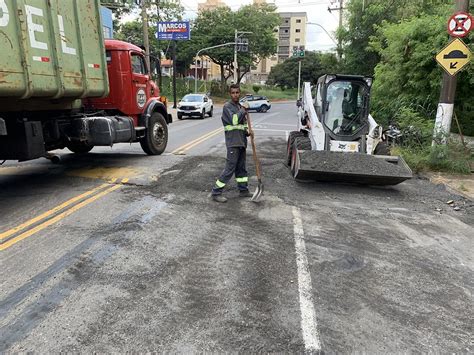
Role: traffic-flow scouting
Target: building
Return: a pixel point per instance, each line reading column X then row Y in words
column 211, row 70
column 107, row 22
column 210, row 5
column 291, row 33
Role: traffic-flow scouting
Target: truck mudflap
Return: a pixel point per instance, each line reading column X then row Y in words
column 354, row 168
column 3, row 127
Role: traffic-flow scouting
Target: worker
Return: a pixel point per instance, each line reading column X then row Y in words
column 234, row 119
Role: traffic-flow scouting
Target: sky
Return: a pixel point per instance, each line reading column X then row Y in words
column 316, row 38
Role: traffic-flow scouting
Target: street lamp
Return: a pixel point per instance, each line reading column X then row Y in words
column 329, row 35
column 197, row 55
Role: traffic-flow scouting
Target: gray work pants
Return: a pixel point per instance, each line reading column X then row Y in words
column 235, row 164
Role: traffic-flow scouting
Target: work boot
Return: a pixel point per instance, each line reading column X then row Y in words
column 245, row 193
column 219, row 198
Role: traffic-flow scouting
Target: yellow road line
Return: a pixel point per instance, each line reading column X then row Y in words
column 197, row 141
column 56, row 209
column 57, row 218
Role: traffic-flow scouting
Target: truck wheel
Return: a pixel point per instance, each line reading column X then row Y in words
column 291, row 139
column 263, row 108
column 301, row 143
column 211, row 112
column 382, row 149
column 156, row 136
column 79, row 147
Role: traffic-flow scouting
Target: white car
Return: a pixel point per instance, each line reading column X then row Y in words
column 195, row 105
column 257, row 103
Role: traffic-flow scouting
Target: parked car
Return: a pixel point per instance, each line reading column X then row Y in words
column 257, row 103
column 195, row 105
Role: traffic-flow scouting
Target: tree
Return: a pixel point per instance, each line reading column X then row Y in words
column 363, row 19
column 407, row 78
column 217, row 26
column 313, row 65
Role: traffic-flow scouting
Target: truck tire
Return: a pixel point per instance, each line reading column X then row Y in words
column 291, row 140
column 79, row 147
column 301, row 143
column 156, row 136
column 382, row 149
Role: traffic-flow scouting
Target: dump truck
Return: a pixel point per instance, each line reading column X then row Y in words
column 62, row 85
column 337, row 140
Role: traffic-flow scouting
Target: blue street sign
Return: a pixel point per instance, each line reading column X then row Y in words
column 178, row 30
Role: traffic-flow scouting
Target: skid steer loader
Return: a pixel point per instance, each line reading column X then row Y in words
column 337, row 139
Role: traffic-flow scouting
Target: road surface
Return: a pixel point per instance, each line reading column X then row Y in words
column 116, row 251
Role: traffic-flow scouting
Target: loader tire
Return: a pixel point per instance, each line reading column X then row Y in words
column 382, row 149
column 289, row 148
column 301, row 143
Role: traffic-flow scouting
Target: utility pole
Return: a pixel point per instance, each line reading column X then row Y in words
column 444, row 114
column 299, row 78
column 341, row 17
column 159, row 51
column 174, row 74
column 236, row 75
column 146, row 42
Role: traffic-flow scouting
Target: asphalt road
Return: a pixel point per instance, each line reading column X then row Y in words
column 116, row 251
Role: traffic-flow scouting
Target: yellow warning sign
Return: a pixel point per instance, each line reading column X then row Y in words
column 454, row 57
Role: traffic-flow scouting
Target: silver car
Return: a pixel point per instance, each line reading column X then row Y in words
column 195, row 105
column 257, row 103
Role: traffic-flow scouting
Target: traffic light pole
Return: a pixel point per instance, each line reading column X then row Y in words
column 299, row 79
column 444, row 114
column 197, row 56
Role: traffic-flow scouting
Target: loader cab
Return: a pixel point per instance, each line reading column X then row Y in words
column 342, row 105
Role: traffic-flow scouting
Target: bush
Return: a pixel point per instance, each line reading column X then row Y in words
column 452, row 158
column 256, row 89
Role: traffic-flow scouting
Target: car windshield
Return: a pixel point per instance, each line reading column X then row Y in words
column 193, row 98
column 345, row 112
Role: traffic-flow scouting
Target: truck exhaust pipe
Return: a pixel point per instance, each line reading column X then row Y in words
column 54, row 158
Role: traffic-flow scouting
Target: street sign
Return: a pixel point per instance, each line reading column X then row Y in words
column 176, row 31
column 455, row 56
column 460, row 24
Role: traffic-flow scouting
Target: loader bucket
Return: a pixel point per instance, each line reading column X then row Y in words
column 354, row 168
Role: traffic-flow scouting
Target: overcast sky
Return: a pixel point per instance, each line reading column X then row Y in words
column 316, row 10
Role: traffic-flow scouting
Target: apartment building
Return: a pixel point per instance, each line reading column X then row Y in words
column 290, row 33
column 210, row 5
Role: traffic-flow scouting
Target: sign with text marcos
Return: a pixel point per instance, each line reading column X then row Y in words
column 177, row 31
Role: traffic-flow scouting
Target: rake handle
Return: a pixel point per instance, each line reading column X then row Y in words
column 254, row 148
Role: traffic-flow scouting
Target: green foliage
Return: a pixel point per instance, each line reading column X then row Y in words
column 256, row 88
column 407, row 78
column 313, row 65
column 452, row 158
column 217, row 27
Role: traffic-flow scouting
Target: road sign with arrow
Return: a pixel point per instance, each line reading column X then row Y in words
column 455, row 56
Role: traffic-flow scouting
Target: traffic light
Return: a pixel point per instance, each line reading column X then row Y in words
column 298, row 51
column 242, row 44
